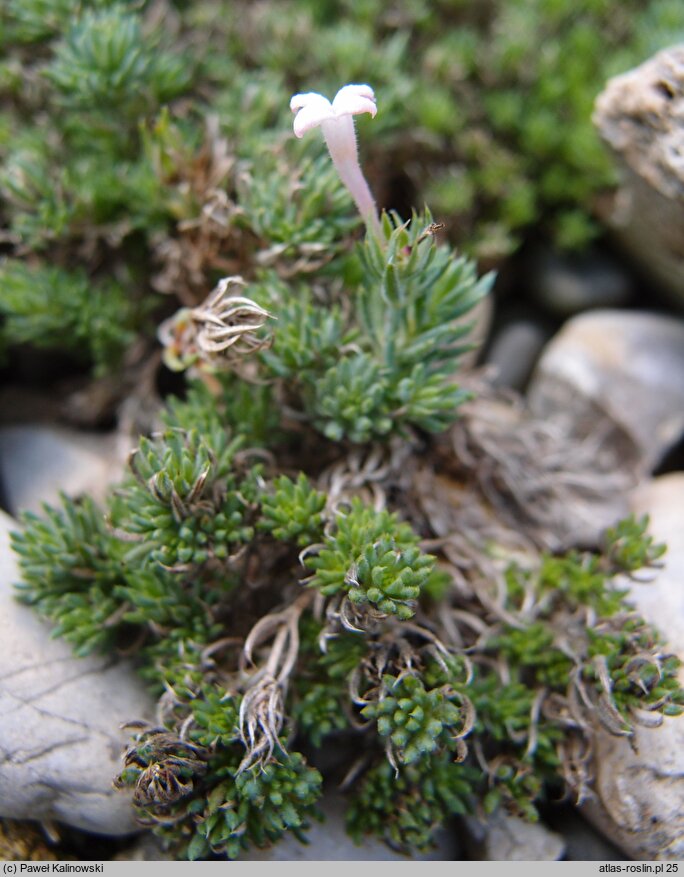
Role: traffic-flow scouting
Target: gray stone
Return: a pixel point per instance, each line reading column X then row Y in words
column 329, row 842
column 661, row 601
column 640, row 789
column 513, row 352
column 506, row 838
column 37, row 462
column 620, row 372
column 567, row 284
column 60, row 743
column 640, row 114
column 640, row 794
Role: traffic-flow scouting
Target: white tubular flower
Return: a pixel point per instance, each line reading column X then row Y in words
column 337, row 124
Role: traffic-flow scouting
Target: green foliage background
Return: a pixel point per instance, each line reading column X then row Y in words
column 108, row 165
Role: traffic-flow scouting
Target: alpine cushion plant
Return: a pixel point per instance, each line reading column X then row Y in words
column 373, row 362
column 278, row 560
column 166, row 168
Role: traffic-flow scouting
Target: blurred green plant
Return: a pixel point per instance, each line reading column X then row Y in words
column 158, row 150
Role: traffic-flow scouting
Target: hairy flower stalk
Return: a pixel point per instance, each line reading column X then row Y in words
column 337, row 124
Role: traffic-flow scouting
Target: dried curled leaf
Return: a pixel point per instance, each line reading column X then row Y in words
column 218, row 333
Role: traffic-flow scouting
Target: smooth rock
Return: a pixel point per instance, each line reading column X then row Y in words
column 329, row 842
column 621, row 372
column 640, row 795
column 640, row 792
column 38, row 461
column 60, row 743
column 506, row 838
column 514, row 351
column 640, row 115
column 661, row 601
column 567, row 284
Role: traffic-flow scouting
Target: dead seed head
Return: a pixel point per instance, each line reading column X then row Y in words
column 218, row 334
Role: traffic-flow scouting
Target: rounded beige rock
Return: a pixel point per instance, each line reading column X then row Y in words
column 640, row 789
